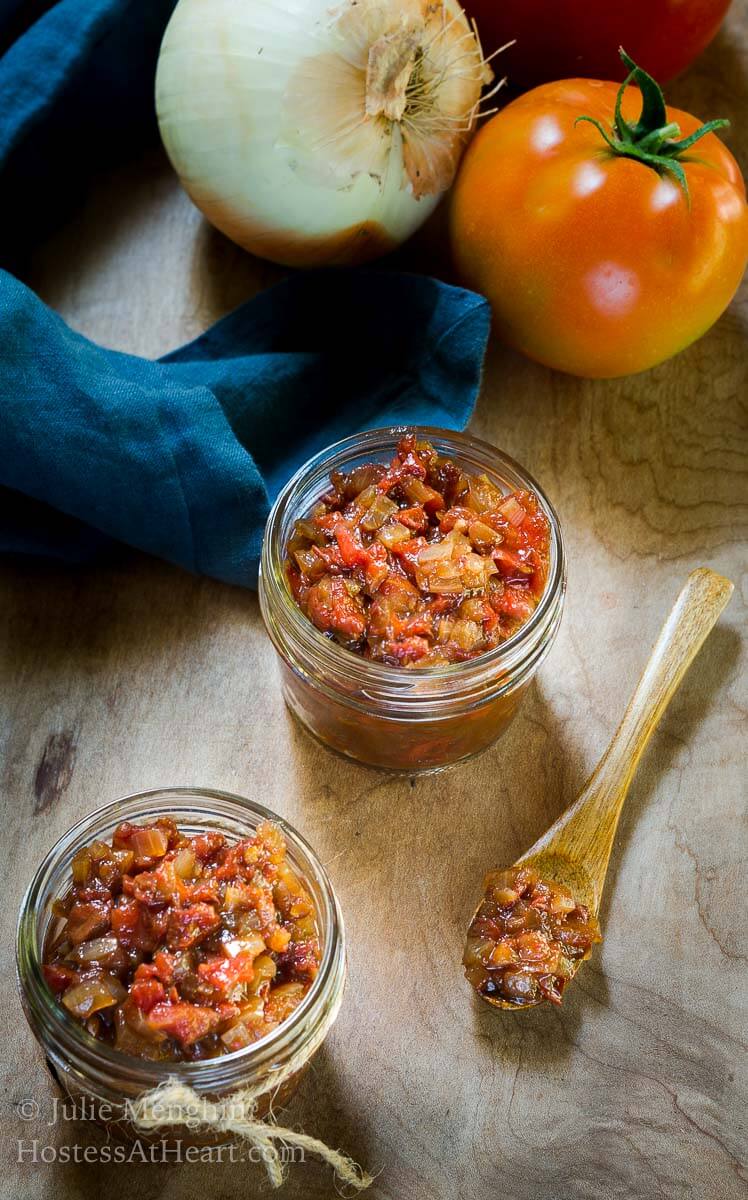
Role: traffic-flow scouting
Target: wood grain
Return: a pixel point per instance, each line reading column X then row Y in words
column 134, row 675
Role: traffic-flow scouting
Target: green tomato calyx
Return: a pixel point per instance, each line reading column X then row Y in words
column 652, row 139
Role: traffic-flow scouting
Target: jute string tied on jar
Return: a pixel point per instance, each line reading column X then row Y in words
column 174, row 1103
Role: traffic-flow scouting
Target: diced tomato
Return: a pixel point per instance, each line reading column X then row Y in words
column 134, row 927
column 515, row 602
column 407, row 553
column 145, row 993
column 204, row 890
column 124, row 919
column 490, row 617
column 224, row 975
column 159, row 887
column 413, row 518
column 59, row 977
column 206, row 846
column 443, row 604
column 334, row 610
column 406, row 650
column 511, row 562
column 331, row 558
column 297, row 585
column 420, row 624
column 456, row 518
column 227, row 1011
column 349, row 544
column 186, row 1023
column 300, row 960
column 327, row 522
column 164, row 965
column 87, row 920
column 190, row 926
column 406, row 463
column 377, row 567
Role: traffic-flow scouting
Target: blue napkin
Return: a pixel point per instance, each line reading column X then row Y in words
column 181, row 457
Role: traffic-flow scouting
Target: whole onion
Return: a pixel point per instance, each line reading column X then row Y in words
column 314, row 134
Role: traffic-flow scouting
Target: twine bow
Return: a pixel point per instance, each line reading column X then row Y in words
column 174, row 1103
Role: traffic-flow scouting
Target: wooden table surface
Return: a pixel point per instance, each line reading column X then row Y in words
column 136, row 675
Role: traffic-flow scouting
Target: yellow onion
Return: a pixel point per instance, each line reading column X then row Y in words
column 312, row 133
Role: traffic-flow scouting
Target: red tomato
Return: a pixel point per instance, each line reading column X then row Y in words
column 560, row 38
column 595, row 263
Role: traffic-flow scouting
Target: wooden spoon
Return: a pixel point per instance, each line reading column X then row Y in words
column 575, row 851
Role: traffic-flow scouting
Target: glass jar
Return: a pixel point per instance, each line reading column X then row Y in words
column 106, row 1082
column 408, row 720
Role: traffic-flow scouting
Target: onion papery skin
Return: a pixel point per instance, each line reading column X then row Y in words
column 263, row 113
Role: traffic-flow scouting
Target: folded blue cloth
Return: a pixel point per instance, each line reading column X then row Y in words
column 182, row 457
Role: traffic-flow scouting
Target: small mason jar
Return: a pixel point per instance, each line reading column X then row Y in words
column 104, row 1083
column 407, row 720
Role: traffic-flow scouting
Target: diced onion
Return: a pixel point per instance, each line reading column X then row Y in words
column 96, row 950
column 393, row 535
column 251, row 943
column 366, row 498
column 235, row 896
column 184, row 863
column 439, row 552
column 419, row 493
column 87, row 997
column 309, row 563
column 446, row 582
column 150, row 843
column 513, row 511
column 265, row 967
column 81, row 865
column 237, row 1037
column 466, row 634
column 380, row 511
column 481, row 534
column 482, row 494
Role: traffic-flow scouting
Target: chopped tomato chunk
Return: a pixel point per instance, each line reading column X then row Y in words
column 186, row 1023
column 188, row 926
column 333, row 609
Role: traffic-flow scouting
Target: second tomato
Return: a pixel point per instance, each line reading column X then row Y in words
column 558, row 38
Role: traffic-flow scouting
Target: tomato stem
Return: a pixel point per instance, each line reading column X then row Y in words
column 652, row 140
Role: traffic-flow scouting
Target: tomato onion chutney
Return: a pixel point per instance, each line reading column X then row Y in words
column 417, row 563
column 175, row 948
column 527, row 938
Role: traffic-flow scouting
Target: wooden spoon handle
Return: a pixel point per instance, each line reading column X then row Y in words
column 585, row 832
column 695, row 612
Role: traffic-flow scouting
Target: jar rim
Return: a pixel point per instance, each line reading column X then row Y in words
column 52, row 1018
column 286, row 622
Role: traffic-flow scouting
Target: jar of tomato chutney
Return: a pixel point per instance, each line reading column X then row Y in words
column 105, row 1083
column 403, row 719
